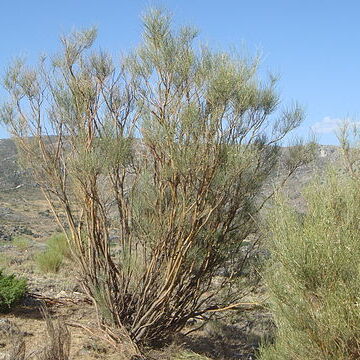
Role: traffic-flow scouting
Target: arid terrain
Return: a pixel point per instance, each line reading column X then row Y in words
column 25, row 225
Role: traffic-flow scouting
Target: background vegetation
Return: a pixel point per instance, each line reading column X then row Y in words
column 314, row 274
column 57, row 249
column 12, row 289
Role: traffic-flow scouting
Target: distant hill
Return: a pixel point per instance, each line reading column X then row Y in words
column 23, row 212
column 325, row 156
column 11, row 175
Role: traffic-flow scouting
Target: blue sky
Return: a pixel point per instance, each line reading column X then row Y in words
column 313, row 45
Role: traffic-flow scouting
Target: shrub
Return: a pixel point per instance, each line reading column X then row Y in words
column 49, row 260
column 59, row 244
column 57, row 249
column 314, row 274
column 171, row 148
column 12, row 289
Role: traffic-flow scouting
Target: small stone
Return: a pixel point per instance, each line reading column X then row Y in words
column 4, row 356
column 61, row 294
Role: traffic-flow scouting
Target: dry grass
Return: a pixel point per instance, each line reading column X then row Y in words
column 18, row 351
column 57, row 344
column 58, row 340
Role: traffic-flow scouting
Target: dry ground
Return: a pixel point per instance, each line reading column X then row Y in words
column 235, row 335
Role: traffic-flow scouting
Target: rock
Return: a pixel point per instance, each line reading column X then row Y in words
column 4, row 234
column 62, row 294
column 4, row 356
column 9, row 232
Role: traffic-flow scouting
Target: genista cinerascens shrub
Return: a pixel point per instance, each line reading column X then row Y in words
column 167, row 149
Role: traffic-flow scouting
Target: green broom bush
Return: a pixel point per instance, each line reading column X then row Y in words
column 12, row 289
column 314, row 274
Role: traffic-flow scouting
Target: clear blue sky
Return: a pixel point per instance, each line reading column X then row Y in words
column 313, row 45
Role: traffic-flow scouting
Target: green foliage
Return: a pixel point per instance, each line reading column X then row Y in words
column 12, row 289
column 58, row 243
column 52, row 258
column 49, row 261
column 314, row 274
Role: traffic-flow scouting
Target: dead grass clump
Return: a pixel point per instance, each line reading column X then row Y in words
column 57, row 346
column 18, row 350
column 58, row 340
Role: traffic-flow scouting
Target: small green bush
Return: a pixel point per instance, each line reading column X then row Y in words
column 52, row 258
column 59, row 244
column 314, row 274
column 49, row 261
column 12, row 289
